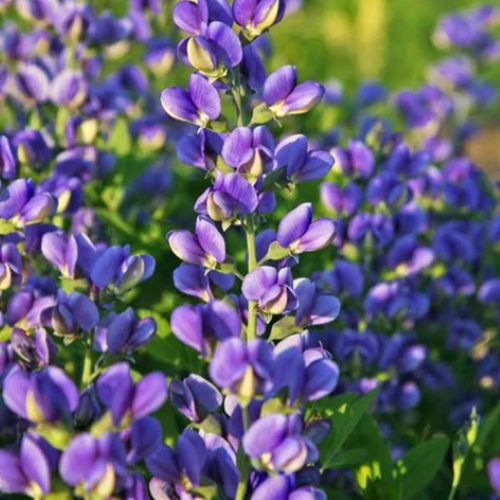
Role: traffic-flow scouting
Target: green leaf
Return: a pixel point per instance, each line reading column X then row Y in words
column 349, row 458
column 119, row 140
column 347, row 413
column 261, row 114
column 284, row 328
column 489, row 423
column 418, row 467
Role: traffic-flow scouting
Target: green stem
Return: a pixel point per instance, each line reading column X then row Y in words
column 88, row 363
column 453, row 492
column 237, row 98
column 245, row 473
column 252, row 264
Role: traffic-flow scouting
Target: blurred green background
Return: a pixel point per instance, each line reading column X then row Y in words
column 388, row 40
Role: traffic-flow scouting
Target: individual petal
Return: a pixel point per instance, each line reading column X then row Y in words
column 277, row 488
column 186, row 324
column 78, row 459
column 317, row 236
column 229, row 362
column 192, row 455
column 279, row 85
column 205, row 97
column 15, row 391
column 189, row 17
column 145, row 438
column 192, row 280
column 237, row 149
column 302, row 99
column 178, row 104
column 186, row 246
column 106, row 266
column 228, row 45
column 150, row 394
column 84, row 311
column 322, row 379
column 243, row 11
column 163, row 464
column 294, row 225
column 210, row 239
column 35, row 464
column 12, row 477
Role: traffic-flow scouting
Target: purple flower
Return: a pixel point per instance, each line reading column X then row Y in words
column 356, row 160
column 30, row 85
column 117, row 268
column 408, row 257
column 201, row 326
column 35, row 350
column 342, row 200
column 198, row 105
column 244, row 369
column 70, row 315
column 61, row 251
column 271, row 289
column 11, row 266
column 8, row 163
column 46, row 396
column 346, row 277
column 69, row 89
column 144, row 437
column 257, row 16
column 212, row 52
column 276, row 441
column 25, row 307
column 299, row 233
column 282, row 487
column 205, row 248
column 200, row 150
column 285, row 97
column 160, row 56
column 307, row 375
column 28, row 471
column 195, row 397
column 32, row 148
column 182, row 466
column 250, row 152
column 93, row 463
column 464, row 334
column 301, row 163
column 125, row 332
column 231, row 195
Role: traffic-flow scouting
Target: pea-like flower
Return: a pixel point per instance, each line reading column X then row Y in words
column 126, row 400
column 205, row 248
column 257, row 16
column 182, row 466
column 61, row 251
column 299, row 233
column 342, row 200
column 69, row 89
column 195, row 397
column 276, row 441
column 230, row 196
column 20, row 204
column 244, row 369
column 271, row 288
column 408, row 257
column 198, row 105
column 200, row 150
column 92, row 464
column 200, row 327
column 30, row 85
column 29, row 470
column 47, row 396
column 284, row 487
column 250, row 152
column 284, row 96
column 301, row 163
column 11, row 266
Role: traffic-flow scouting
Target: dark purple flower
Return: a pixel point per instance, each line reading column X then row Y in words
column 282, row 487
column 301, row 163
column 494, row 474
column 93, row 463
column 35, row 350
column 346, row 277
column 61, row 251
column 299, row 233
column 257, row 16
column 201, row 149
column 276, row 441
column 271, row 288
column 250, row 152
column 201, row 326
column 342, row 200
column 244, row 369
column 69, row 89
column 30, row 85
column 200, row 104
column 285, row 97
column 408, row 257
column 231, row 195
column 126, row 400
column 182, row 466
column 46, row 396
column 11, row 266
column 28, row 471
column 195, row 397
column 205, row 248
